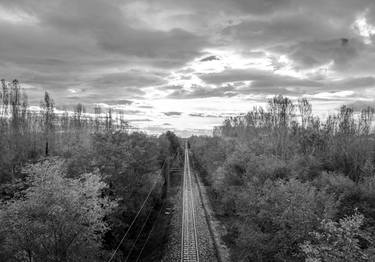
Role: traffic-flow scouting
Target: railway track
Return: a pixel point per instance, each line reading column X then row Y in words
column 189, row 241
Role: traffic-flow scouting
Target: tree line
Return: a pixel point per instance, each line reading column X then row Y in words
column 290, row 186
column 29, row 134
column 71, row 183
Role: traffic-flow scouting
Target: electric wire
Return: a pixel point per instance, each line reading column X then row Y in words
column 149, row 234
column 139, row 234
column 135, row 218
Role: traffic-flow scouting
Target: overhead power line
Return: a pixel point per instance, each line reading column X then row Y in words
column 135, row 218
column 149, row 234
column 139, row 234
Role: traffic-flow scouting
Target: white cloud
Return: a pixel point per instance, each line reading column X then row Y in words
column 331, row 95
column 15, row 16
column 363, row 28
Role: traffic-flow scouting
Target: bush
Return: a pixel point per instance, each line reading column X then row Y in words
column 278, row 217
column 336, row 241
column 58, row 219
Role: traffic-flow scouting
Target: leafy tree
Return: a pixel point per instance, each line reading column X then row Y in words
column 56, row 219
column 174, row 143
column 277, row 217
column 129, row 164
column 281, row 177
column 337, row 241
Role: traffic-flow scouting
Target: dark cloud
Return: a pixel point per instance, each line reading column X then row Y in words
column 197, row 114
column 104, row 23
column 212, row 7
column 287, row 28
column 311, row 33
column 132, row 78
column 264, row 82
column 316, row 53
column 352, row 83
column 132, row 112
column 75, row 43
column 259, row 78
column 209, row 58
column 112, row 52
column 118, row 102
column 178, row 46
column 172, row 113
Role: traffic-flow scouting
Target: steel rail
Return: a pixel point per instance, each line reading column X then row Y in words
column 189, row 239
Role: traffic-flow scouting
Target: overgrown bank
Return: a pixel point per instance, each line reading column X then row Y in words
column 285, row 184
column 71, row 184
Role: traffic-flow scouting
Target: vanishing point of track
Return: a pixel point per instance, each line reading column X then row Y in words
column 189, row 243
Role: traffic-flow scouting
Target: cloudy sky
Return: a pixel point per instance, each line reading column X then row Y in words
column 188, row 64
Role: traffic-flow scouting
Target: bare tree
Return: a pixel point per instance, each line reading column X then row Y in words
column 305, row 110
column 5, row 96
column 48, row 107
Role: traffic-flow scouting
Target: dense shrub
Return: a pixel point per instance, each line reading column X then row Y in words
column 57, row 219
column 275, row 175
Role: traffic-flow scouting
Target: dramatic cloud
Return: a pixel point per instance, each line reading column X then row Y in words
column 316, row 53
column 162, row 56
